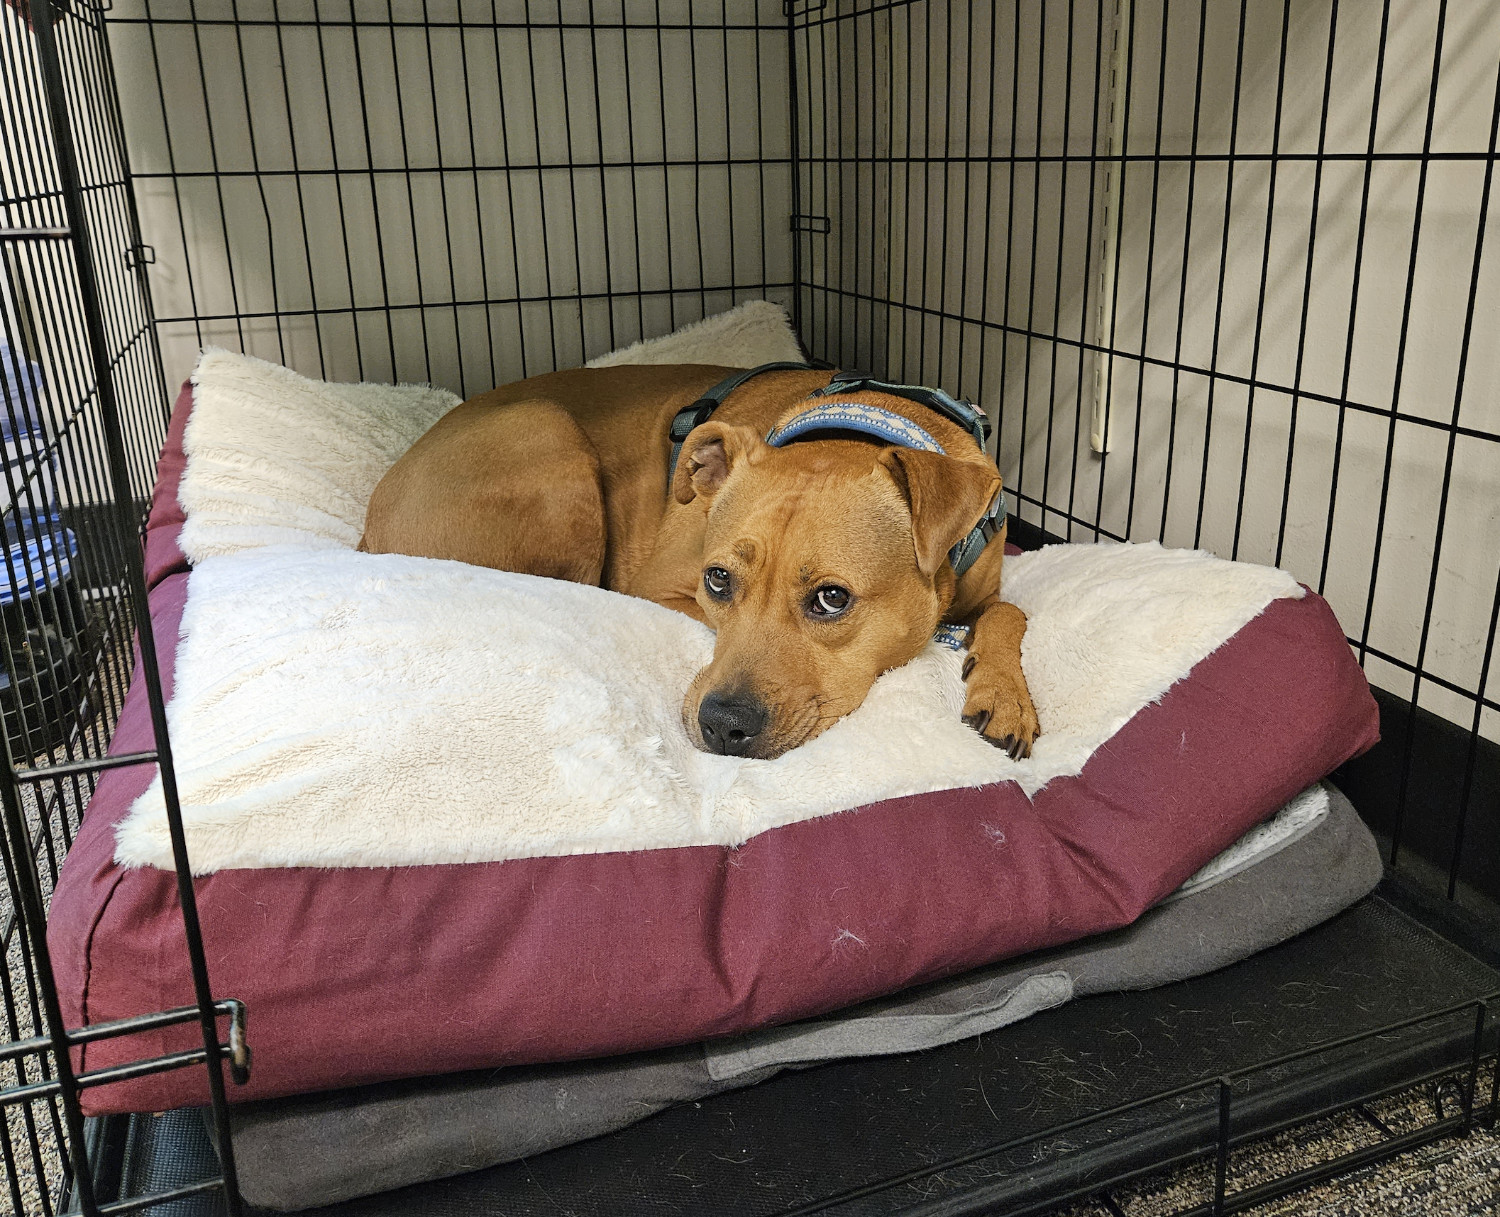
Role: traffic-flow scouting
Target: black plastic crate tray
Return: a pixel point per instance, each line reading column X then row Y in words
column 927, row 1133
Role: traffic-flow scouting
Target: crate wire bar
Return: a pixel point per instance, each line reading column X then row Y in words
column 1219, row 272
column 85, row 403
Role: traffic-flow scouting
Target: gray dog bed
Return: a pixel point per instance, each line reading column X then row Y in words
column 319, row 1149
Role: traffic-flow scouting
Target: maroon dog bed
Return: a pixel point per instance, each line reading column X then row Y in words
column 360, row 975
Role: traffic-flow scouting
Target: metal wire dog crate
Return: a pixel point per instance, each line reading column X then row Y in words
column 1218, row 270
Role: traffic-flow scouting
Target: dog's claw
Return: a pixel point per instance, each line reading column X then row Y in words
column 996, row 702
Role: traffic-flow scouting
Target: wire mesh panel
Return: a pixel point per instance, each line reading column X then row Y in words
column 67, row 628
column 84, row 410
column 1220, row 272
column 463, row 192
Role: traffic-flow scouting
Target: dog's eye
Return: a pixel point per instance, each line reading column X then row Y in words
column 829, row 601
column 718, row 582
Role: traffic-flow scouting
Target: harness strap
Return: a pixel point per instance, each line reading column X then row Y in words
column 856, row 416
column 860, row 417
column 702, row 410
column 964, row 413
column 966, row 552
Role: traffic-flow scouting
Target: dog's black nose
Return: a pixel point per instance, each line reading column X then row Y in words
column 730, row 724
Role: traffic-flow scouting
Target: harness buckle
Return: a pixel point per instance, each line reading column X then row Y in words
column 994, row 516
column 966, row 552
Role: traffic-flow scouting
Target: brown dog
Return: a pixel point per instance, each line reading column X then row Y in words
column 819, row 565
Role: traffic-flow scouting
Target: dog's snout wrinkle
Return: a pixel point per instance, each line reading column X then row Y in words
column 731, row 723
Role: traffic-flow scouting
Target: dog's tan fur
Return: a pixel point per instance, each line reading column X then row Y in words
column 565, row 475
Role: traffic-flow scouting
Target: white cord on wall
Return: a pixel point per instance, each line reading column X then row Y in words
column 1099, row 431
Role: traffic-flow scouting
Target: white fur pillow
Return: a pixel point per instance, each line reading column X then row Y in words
column 752, row 333
column 274, row 458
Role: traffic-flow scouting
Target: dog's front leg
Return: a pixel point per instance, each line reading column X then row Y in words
column 998, row 704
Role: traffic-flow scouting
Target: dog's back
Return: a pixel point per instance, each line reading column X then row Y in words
column 559, row 475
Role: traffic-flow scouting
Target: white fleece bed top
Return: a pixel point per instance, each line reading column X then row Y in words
column 334, row 708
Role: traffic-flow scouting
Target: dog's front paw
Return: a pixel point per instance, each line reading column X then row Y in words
column 998, row 705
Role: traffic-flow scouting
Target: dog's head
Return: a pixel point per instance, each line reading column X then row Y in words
column 824, row 565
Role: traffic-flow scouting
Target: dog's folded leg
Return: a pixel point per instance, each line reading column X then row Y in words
column 997, row 703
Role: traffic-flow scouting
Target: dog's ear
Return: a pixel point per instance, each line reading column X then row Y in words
column 946, row 496
column 707, row 456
